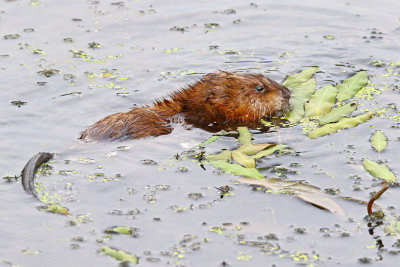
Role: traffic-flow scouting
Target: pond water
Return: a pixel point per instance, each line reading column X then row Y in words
column 73, row 62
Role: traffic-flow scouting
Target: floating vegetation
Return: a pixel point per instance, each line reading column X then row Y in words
column 350, row 87
column 293, row 81
column 378, row 141
column 171, row 50
column 18, row 103
column 55, row 208
column 245, row 155
column 86, row 57
column 378, row 170
column 123, row 94
column 123, row 230
column 146, row 12
column 309, row 106
column 237, row 169
column 342, row 124
column 86, row 161
column 48, row 72
column 211, row 25
column 72, row 93
column 305, row 192
column 195, row 196
column 298, row 99
column 94, row 45
column 12, row 36
column 321, row 102
column 179, row 29
column 120, row 255
column 35, row 50
column 68, row 40
column 208, row 141
column 338, row 113
column 29, row 30
column 149, row 162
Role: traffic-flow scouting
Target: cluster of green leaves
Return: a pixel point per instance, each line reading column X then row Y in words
column 325, row 105
column 245, row 165
column 245, row 156
column 379, row 143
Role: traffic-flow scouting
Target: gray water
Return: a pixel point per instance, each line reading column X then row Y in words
column 140, row 59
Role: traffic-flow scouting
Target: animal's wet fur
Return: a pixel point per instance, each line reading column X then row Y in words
column 217, row 98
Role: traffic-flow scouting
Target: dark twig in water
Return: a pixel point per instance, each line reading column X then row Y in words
column 30, row 169
column 377, row 195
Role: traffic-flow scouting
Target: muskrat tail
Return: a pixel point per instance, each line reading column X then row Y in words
column 30, row 169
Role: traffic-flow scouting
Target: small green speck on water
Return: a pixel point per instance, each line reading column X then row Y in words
column 365, row 260
column 94, row 45
column 18, row 103
column 48, row 72
column 217, row 230
column 243, row 257
column 169, row 51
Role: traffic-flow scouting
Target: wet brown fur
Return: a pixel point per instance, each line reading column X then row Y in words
column 221, row 97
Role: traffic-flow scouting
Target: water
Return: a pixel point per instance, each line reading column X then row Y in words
column 140, row 59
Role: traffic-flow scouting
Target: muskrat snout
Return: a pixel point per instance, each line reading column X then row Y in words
column 286, row 97
column 286, row 92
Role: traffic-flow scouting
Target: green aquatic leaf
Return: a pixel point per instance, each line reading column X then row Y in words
column 124, row 230
column 250, row 149
column 308, row 193
column 338, row 113
column 244, row 135
column 378, row 141
column 272, row 149
column 56, row 208
column 350, row 87
column 236, row 169
column 298, row 98
column 208, row 141
column 246, row 149
column 243, row 159
column 378, row 170
column 342, row 124
column 224, row 155
column 120, row 255
column 293, row 81
column 321, row 101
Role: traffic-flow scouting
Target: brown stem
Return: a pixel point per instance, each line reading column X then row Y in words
column 377, row 195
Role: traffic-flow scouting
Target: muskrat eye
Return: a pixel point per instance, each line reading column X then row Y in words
column 260, row 88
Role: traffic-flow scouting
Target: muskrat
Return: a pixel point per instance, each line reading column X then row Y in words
column 217, row 98
column 220, row 98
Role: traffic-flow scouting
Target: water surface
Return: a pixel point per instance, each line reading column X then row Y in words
column 106, row 57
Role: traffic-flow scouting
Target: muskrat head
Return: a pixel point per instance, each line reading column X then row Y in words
column 244, row 97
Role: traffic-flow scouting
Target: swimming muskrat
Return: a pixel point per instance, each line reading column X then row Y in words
column 220, row 98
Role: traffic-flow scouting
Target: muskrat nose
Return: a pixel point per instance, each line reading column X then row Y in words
column 285, row 92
